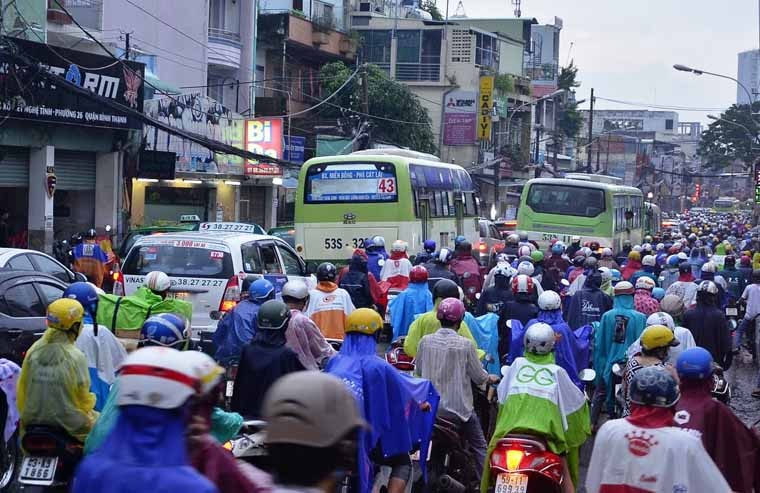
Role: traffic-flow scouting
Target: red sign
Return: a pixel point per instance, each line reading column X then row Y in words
column 263, row 136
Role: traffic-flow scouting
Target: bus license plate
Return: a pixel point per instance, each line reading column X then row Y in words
column 38, row 470
column 511, row 483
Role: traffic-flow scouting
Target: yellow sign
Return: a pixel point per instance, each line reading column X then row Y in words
column 485, row 105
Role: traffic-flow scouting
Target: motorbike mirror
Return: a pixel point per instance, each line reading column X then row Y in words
column 617, row 369
column 587, row 375
column 216, row 315
column 477, row 296
column 504, row 370
column 565, row 282
column 79, row 277
column 108, row 228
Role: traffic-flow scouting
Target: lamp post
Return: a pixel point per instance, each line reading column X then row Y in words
column 695, row 71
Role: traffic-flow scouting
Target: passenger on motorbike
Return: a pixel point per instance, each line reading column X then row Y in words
column 607, row 278
column 577, row 268
column 645, row 451
column 238, row 327
column 556, row 265
column 328, row 304
column 358, row 282
column 709, row 273
column 103, row 350
column 589, row 304
column 303, row 335
column 648, row 265
column 264, row 360
column 608, row 260
column 428, row 248
column 438, row 268
column 745, row 268
column 537, row 396
column 493, row 298
column 467, row 270
column 708, row 324
column 643, row 301
column 90, row 259
column 733, row 277
column 682, row 335
column 396, row 269
column 734, row 447
column 669, row 273
column 414, row 300
column 54, row 386
column 632, row 266
column 147, row 448
column 376, row 254
column 390, row 402
column 684, row 287
column 312, row 435
column 522, row 309
column 451, row 363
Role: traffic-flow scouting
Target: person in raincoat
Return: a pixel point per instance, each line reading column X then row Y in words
column 414, row 300
column 553, row 407
column 303, row 335
column 632, row 266
column 669, row 273
column 467, row 270
column 147, row 448
column 238, row 327
column 608, row 260
column 328, row 304
column 589, row 304
column 556, row 265
column 494, row 297
column 606, row 286
column 54, row 386
column 428, row 248
column 103, row 350
column 399, row 409
column 643, row 301
column 376, row 255
column 9, row 375
column 360, row 285
column 396, row 269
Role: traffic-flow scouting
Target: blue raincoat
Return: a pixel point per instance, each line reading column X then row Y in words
column 646, row 271
column 485, row 330
column 389, row 401
column 146, row 451
column 375, row 260
column 234, row 331
column 409, row 303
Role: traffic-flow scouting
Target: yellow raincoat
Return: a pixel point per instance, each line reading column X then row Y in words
column 54, row 387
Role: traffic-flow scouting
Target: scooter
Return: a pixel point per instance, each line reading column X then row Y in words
column 451, row 467
column 50, row 458
column 397, row 358
column 249, row 444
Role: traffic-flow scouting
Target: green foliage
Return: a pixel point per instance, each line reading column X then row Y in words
column 723, row 142
column 431, row 8
column 570, row 121
column 504, row 83
column 387, row 99
column 567, row 77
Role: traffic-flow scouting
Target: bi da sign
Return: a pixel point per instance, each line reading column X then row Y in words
column 263, row 136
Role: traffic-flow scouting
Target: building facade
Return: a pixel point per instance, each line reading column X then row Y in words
column 748, row 74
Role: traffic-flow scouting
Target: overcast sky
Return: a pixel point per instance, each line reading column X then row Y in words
column 626, row 49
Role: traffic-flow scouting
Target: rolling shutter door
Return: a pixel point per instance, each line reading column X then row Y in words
column 74, row 170
column 14, row 166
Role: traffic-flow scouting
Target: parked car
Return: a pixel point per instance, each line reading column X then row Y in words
column 24, row 298
column 32, row 260
column 490, row 241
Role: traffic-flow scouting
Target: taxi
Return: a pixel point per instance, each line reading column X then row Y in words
column 209, row 267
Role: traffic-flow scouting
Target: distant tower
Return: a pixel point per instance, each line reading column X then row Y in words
column 516, row 4
column 460, row 13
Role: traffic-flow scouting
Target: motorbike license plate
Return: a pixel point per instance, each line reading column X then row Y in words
column 179, row 295
column 511, row 483
column 732, row 312
column 230, row 388
column 38, row 470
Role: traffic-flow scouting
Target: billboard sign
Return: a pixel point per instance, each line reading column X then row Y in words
column 295, row 149
column 263, row 136
column 485, row 106
column 460, row 115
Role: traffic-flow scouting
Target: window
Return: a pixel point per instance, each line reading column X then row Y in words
column 375, row 47
column 23, row 301
column 418, row 55
column 224, row 19
column 291, row 262
column 50, row 292
column 20, row 262
column 269, row 259
column 206, row 260
column 486, row 50
column 51, row 267
column 215, row 89
column 470, row 204
column 566, row 200
column 668, row 124
column 495, row 232
column 251, row 258
column 408, row 47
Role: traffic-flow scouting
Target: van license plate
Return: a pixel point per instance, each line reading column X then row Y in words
column 511, row 483
column 38, row 470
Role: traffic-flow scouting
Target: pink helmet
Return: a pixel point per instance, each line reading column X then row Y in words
column 451, row 310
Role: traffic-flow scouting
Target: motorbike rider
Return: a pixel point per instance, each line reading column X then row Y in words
column 438, row 268
column 451, row 363
column 358, row 282
column 575, row 245
column 396, row 269
column 502, row 261
column 551, row 407
column 588, row 304
column 643, row 301
column 645, row 451
column 577, row 267
column 376, row 254
column 734, row 448
column 428, row 248
column 708, row 324
column 467, row 270
column 303, row 335
column 147, row 448
column 264, row 360
column 607, row 278
column 733, row 278
column 682, row 335
column 511, row 245
column 103, row 350
column 238, row 327
column 522, row 308
column 414, row 300
column 54, row 386
column 745, row 268
column 632, row 266
column 685, row 287
column 492, row 298
column 556, row 265
column 669, row 273
column 389, row 402
column 328, row 304
column 709, row 273
column 622, row 256
column 90, row 259
column 312, row 435
column 648, row 265
column 608, row 260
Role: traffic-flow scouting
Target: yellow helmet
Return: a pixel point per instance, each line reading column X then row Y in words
column 365, row 321
column 657, row 336
column 65, row 314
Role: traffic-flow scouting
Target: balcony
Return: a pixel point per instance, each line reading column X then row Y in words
column 418, row 72
column 224, row 48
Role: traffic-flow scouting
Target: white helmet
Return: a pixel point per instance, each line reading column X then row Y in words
column 540, row 338
column 661, row 318
column 524, row 251
column 607, row 252
column 660, row 246
column 503, row 270
column 606, row 273
column 709, row 267
column 645, row 282
column 295, row 289
column 682, row 256
column 707, row 287
column 157, row 377
column 399, row 246
column 549, row 300
column 649, row 260
column 526, row 268
column 157, row 281
column 636, row 248
column 206, row 369
column 646, row 247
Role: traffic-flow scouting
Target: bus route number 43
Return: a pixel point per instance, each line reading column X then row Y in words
column 386, row 185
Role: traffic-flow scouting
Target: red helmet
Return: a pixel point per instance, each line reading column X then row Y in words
column 451, row 310
column 418, row 274
column 522, row 284
column 745, row 260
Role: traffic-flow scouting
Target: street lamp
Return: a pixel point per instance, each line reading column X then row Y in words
column 752, row 138
column 696, row 71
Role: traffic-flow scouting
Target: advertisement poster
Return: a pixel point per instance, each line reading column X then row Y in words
column 263, row 136
column 460, row 118
column 485, row 105
column 295, row 149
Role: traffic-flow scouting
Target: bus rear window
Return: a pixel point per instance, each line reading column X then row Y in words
column 207, row 261
column 351, row 182
column 565, row 200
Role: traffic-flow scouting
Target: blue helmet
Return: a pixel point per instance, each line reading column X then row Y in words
column 86, row 294
column 164, row 329
column 429, row 246
column 695, row 363
column 459, row 239
column 369, row 243
column 658, row 293
column 261, row 290
column 558, row 248
column 654, row 386
column 616, row 275
column 673, row 261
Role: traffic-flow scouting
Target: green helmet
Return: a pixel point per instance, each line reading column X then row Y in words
column 273, row 315
column 537, row 256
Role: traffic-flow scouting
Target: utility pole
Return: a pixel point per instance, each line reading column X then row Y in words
column 590, row 134
column 365, row 106
column 126, row 46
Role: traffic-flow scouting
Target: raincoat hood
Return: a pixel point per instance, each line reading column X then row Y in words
column 358, row 263
column 648, row 268
column 398, row 255
column 551, row 317
column 593, row 281
column 270, row 338
column 623, row 301
column 414, row 300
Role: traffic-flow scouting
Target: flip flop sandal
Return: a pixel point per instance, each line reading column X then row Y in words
column 756, row 393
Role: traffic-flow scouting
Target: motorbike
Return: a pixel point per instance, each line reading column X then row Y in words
column 721, row 388
column 50, row 458
column 397, row 358
column 249, row 445
column 617, row 379
column 451, row 467
column 62, row 253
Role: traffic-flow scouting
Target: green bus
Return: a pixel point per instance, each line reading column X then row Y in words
column 726, row 204
column 652, row 219
column 593, row 207
column 394, row 193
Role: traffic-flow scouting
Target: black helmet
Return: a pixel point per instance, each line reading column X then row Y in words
column 756, row 276
column 684, row 267
column 273, row 315
column 654, row 386
column 729, row 261
column 464, row 246
column 445, row 288
column 590, row 263
column 326, row 272
column 91, row 234
column 76, row 239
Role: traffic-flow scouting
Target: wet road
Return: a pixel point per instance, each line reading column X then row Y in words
column 743, row 378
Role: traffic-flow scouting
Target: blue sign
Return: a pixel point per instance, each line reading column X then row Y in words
column 295, row 149
column 352, row 185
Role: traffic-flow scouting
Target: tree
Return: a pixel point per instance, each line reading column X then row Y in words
column 431, row 8
column 399, row 117
column 567, row 77
column 723, row 143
